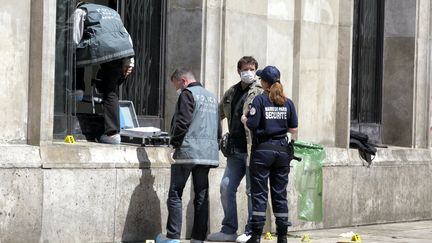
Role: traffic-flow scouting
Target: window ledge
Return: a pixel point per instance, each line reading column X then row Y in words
column 95, row 155
column 390, row 156
column 82, row 155
column 85, row 155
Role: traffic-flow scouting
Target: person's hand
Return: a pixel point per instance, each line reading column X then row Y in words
column 127, row 70
column 170, row 154
column 243, row 119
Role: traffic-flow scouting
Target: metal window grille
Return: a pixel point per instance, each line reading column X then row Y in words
column 143, row 20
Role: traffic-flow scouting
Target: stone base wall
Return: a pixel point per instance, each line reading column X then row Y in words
column 104, row 193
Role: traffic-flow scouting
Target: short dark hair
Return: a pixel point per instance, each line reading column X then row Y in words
column 247, row 60
column 182, row 71
column 79, row 3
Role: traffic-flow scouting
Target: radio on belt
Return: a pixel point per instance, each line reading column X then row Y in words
column 131, row 132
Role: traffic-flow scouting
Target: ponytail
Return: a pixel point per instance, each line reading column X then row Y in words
column 276, row 94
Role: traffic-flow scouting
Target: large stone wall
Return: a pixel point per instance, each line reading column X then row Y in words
column 14, row 69
column 318, row 38
column 76, row 193
column 393, row 189
column 398, row 72
column 301, row 38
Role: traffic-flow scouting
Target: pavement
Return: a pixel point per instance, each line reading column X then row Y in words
column 408, row 232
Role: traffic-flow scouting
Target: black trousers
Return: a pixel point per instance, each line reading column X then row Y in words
column 111, row 76
column 274, row 166
column 79, row 78
column 179, row 176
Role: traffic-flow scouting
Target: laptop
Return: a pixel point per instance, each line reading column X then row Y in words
column 129, row 126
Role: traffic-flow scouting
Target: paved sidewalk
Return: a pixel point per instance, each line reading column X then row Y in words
column 410, row 232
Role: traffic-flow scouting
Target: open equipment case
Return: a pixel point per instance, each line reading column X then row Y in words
column 131, row 132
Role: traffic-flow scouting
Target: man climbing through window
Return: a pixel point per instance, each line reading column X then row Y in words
column 101, row 39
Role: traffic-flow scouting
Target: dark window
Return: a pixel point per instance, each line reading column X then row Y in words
column 366, row 91
column 143, row 20
column 64, row 69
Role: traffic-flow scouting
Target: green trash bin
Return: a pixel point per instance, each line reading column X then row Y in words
column 308, row 180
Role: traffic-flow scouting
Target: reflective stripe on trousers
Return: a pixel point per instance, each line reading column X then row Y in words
column 274, row 166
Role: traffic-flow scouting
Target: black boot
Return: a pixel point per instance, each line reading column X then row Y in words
column 256, row 237
column 282, row 238
column 282, row 234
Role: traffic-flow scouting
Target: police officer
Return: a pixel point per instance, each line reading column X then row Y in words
column 270, row 117
column 101, row 39
column 194, row 136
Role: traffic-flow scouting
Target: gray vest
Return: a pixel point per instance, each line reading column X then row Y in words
column 105, row 39
column 200, row 145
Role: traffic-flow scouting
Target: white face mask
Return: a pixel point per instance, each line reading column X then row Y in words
column 247, row 76
column 179, row 91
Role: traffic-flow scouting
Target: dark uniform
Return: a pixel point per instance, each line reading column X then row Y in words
column 270, row 159
column 106, row 42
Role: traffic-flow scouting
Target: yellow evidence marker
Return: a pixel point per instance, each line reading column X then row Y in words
column 268, row 236
column 305, row 238
column 69, row 139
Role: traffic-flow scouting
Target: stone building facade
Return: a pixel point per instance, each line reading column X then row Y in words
column 51, row 191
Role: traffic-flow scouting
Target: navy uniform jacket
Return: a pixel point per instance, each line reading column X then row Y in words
column 267, row 120
column 104, row 38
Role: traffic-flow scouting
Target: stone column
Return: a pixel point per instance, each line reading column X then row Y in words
column 14, row 70
column 344, row 63
column 184, row 28
column 41, row 72
column 211, row 65
column 317, row 60
column 422, row 75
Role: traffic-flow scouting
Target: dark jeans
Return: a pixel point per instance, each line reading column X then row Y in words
column 179, row 175
column 235, row 170
column 110, row 75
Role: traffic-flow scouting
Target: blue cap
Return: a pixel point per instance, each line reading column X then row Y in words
column 270, row 74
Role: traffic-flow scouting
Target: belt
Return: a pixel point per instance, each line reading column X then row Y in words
column 261, row 140
column 278, row 148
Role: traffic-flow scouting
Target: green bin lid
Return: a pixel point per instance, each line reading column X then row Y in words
column 309, row 145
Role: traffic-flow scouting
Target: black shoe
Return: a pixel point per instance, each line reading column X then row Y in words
column 256, row 238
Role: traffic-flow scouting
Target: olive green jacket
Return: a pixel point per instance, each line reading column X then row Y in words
column 225, row 104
